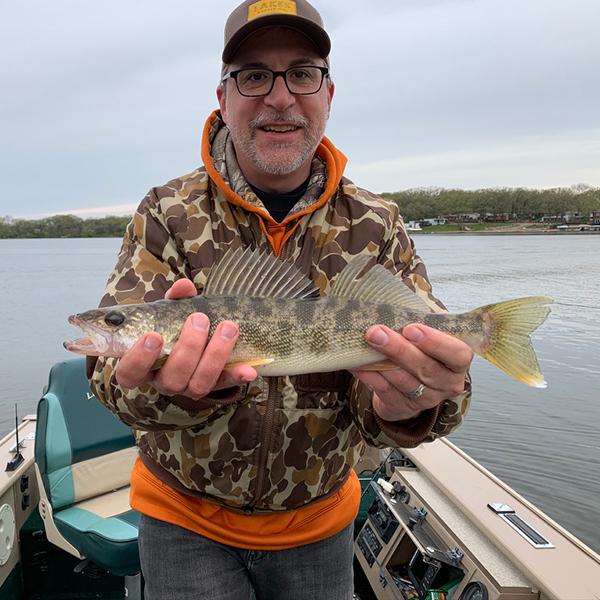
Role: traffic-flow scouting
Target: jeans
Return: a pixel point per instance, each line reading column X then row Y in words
column 178, row 564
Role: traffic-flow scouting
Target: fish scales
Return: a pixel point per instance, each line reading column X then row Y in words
column 300, row 335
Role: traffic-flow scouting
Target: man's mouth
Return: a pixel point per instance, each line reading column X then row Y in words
column 279, row 128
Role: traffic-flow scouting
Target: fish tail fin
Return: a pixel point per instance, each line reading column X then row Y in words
column 509, row 347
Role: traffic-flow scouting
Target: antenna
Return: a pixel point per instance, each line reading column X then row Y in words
column 17, row 459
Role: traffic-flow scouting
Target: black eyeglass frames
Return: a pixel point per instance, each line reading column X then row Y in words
column 301, row 80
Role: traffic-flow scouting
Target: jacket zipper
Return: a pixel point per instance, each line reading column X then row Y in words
column 265, row 440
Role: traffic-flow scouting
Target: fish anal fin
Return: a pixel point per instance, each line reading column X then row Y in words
column 258, row 362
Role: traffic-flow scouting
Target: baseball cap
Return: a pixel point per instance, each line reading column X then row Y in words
column 252, row 15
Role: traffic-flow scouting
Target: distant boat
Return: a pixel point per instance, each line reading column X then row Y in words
column 413, row 226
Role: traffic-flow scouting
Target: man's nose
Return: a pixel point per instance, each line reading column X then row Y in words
column 280, row 97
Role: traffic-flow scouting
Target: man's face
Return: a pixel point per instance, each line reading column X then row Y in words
column 277, row 134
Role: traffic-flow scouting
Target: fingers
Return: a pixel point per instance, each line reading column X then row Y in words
column 182, row 288
column 195, row 367
column 174, row 376
column 425, row 358
column 234, row 377
column 384, row 382
column 447, row 349
column 389, row 400
column 213, row 361
column 134, row 367
column 406, row 355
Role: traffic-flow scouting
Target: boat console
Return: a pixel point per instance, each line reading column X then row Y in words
column 440, row 527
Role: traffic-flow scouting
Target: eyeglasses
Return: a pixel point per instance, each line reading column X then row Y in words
column 301, row 80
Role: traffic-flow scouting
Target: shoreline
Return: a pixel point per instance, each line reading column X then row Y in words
column 515, row 229
column 545, row 232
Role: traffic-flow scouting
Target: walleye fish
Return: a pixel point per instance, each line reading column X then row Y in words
column 287, row 329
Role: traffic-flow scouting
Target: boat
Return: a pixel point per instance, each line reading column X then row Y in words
column 413, row 227
column 433, row 523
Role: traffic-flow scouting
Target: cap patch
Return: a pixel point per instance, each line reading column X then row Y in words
column 271, row 7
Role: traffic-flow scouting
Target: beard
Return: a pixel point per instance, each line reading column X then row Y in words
column 278, row 158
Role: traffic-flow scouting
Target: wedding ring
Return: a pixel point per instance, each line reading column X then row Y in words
column 416, row 393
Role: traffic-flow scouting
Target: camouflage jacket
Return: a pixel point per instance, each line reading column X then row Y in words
column 280, row 442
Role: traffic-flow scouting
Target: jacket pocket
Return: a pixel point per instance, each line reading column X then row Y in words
column 321, row 390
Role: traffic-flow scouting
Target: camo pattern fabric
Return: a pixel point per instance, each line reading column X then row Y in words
column 280, row 442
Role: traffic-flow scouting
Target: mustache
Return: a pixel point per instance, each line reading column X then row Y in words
column 272, row 118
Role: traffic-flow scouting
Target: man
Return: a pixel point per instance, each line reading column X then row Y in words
column 246, row 482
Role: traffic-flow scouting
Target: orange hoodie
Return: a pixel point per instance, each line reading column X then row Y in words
column 266, row 531
column 277, row 233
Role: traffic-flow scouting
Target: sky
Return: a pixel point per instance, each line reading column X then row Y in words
column 100, row 101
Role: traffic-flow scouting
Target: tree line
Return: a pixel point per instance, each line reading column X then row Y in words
column 63, row 226
column 523, row 203
column 414, row 204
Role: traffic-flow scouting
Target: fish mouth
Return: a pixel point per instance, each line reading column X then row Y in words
column 96, row 342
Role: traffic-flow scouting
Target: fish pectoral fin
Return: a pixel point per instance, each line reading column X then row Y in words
column 382, row 365
column 258, row 362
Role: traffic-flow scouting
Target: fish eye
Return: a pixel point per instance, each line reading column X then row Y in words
column 114, row 318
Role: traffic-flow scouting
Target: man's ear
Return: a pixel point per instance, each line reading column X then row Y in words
column 222, row 102
column 330, row 92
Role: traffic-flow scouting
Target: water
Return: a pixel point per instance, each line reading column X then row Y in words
column 544, row 443
column 45, row 281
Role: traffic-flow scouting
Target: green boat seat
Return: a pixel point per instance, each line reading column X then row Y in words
column 84, row 456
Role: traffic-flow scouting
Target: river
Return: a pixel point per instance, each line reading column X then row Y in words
column 545, row 443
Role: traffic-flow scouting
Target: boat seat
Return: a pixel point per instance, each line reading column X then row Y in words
column 84, row 456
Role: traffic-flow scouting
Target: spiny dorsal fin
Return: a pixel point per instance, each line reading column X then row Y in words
column 377, row 286
column 257, row 274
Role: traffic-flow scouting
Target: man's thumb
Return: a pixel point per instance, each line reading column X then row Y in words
column 182, row 288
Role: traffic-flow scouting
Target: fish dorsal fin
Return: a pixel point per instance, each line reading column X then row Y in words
column 257, row 274
column 378, row 285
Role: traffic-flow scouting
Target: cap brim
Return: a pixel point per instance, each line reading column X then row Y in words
column 315, row 33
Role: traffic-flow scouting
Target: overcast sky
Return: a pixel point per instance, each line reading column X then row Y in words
column 99, row 101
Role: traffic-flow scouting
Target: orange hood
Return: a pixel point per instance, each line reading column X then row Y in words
column 277, row 233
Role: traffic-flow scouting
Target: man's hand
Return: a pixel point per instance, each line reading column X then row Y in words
column 195, row 365
column 424, row 356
